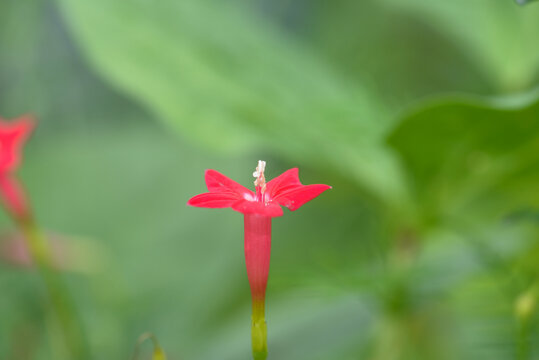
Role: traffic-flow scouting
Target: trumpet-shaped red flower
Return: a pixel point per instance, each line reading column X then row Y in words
column 12, row 137
column 259, row 208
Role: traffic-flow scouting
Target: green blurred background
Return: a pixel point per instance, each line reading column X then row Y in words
column 423, row 115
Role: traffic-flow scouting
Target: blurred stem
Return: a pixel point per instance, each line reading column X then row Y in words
column 14, row 200
column 525, row 307
column 523, row 341
column 58, row 294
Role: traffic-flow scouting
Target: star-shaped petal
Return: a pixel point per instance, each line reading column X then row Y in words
column 285, row 190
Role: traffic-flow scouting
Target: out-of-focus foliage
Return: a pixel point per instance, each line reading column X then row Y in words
column 250, row 86
column 491, row 168
column 499, row 36
column 426, row 245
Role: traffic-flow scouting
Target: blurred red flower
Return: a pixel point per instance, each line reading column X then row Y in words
column 13, row 135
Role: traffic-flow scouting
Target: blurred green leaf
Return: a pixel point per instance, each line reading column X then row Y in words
column 245, row 87
column 402, row 58
column 501, row 36
column 468, row 157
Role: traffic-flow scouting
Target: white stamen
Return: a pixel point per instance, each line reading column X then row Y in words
column 259, row 175
column 260, row 169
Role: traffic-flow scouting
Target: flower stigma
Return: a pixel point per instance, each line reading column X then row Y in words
column 260, row 182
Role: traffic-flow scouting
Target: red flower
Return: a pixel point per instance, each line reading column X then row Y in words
column 259, row 208
column 285, row 190
column 12, row 137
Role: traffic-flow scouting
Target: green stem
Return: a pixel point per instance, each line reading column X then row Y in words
column 523, row 342
column 259, row 331
column 57, row 292
column 525, row 307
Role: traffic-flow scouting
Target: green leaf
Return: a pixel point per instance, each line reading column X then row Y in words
column 401, row 58
column 499, row 35
column 471, row 155
column 243, row 88
column 228, row 88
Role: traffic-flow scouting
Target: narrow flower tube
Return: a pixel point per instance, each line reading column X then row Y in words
column 13, row 197
column 258, row 208
column 257, row 230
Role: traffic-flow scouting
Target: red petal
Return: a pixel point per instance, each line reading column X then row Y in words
column 295, row 197
column 219, row 183
column 213, row 200
column 12, row 136
column 287, row 190
column 254, row 207
column 287, row 180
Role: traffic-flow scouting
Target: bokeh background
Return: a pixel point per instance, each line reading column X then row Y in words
column 423, row 115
